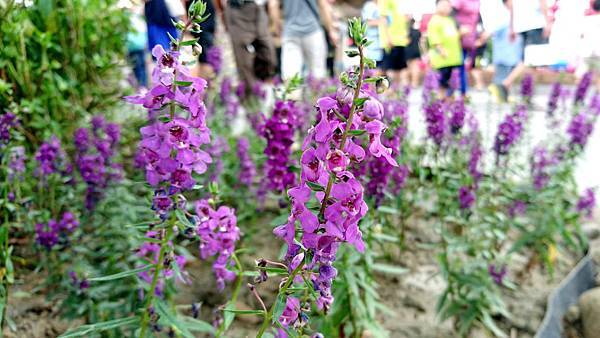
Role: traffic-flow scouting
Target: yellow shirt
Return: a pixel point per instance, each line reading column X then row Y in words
column 442, row 32
column 397, row 26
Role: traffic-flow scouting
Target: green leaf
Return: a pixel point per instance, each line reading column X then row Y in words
column 390, row 269
column 315, row 186
column 228, row 316
column 183, row 83
column 87, row 330
column 357, row 132
column 121, row 274
column 359, row 101
column 279, row 307
column 387, row 210
column 352, row 53
column 490, row 325
column 168, row 318
column 188, row 43
column 245, row 312
column 197, row 325
column 183, row 219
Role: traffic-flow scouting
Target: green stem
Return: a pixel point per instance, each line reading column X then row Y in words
column 361, row 72
column 269, row 315
column 157, row 270
column 236, row 291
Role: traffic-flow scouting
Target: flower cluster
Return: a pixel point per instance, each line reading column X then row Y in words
column 497, row 274
column 278, row 130
column 580, row 128
column 50, row 157
column 583, row 87
column 292, row 315
column 586, row 203
column 171, row 146
column 555, row 94
column 247, row 167
column 216, row 151
column 454, row 80
column 541, row 162
column 457, row 116
column 52, row 233
column 94, row 158
column 435, row 119
column 8, row 121
column 150, row 251
column 327, row 153
column 229, row 101
column 214, row 57
column 510, row 130
column 218, row 234
column 431, row 83
column 466, row 197
column 80, row 283
column 380, row 170
column 527, row 87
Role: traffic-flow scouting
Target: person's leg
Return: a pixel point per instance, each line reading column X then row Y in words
column 463, row 72
column 139, row 67
column 241, row 34
column 414, row 68
column 445, row 75
column 314, row 47
column 263, row 44
column 291, row 57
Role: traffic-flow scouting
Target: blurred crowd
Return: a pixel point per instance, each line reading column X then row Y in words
column 455, row 38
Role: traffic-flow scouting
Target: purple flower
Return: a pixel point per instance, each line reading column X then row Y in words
column 49, row 157
column 517, row 208
column 51, row 233
column 216, row 151
column 457, row 116
column 497, row 274
column 555, row 94
column 580, row 128
column 81, row 284
column 474, row 162
column 583, row 87
column 291, row 313
column 8, row 121
column 466, row 197
column 436, row 122
column 247, row 167
column 527, row 87
column 218, row 234
column 509, row 131
column 327, row 153
column 431, row 83
column 454, row 80
column 586, row 203
column 214, row 57
column 96, row 148
column 279, row 133
column 541, row 160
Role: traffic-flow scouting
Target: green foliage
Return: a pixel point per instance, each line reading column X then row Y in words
column 60, row 60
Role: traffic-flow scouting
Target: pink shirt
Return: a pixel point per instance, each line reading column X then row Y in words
column 467, row 15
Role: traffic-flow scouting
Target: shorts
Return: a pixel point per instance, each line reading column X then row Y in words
column 533, row 37
column 206, row 40
column 395, row 59
column 445, row 75
column 412, row 52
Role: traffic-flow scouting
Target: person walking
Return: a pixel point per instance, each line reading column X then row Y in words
column 394, row 37
column 445, row 53
column 371, row 14
column 247, row 23
column 412, row 54
column 531, row 20
column 466, row 13
column 160, row 15
column 303, row 38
